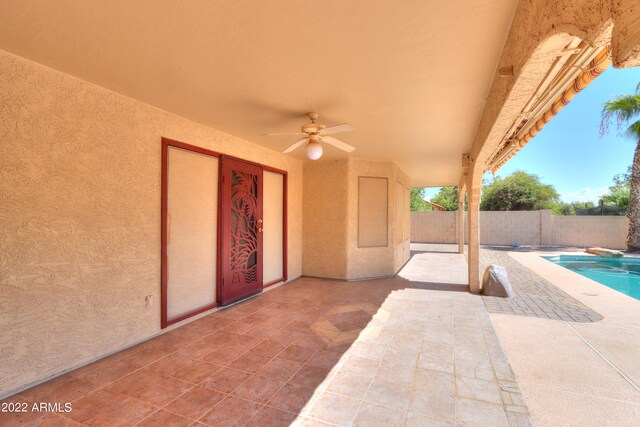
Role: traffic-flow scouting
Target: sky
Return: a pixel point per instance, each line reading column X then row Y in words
column 569, row 152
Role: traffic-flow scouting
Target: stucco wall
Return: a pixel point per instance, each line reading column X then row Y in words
column 525, row 228
column 403, row 225
column 331, row 220
column 325, row 220
column 80, row 217
column 375, row 261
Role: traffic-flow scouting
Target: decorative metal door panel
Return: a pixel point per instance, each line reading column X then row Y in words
column 241, row 230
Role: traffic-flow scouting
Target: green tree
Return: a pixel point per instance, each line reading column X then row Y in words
column 619, row 193
column 623, row 179
column 519, row 191
column 417, row 200
column 625, row 110
column 583, row 205
column 447, row 197
column 618, row 197
column 564, row 208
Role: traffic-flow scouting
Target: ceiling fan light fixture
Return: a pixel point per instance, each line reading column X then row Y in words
column 314, row 150
column 314, row 133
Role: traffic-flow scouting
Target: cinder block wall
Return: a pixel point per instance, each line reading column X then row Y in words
column 524, row 228
column 605, row 231
column 507, row 228
column 433, row 227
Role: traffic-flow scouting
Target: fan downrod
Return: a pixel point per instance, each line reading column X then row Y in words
column 313, row 127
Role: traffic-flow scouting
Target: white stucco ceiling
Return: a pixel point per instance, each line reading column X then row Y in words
column 411, row 76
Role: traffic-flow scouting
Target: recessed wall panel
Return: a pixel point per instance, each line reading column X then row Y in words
column 406, row 215
column 372, row 212
column 192, row 221
column 273, row 184
column 399, row 212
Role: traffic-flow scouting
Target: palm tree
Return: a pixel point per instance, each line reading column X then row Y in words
column 625, row 109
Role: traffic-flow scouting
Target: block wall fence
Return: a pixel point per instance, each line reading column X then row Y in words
column 524, row 228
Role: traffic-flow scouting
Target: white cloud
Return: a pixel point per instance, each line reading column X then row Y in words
column 585, row 194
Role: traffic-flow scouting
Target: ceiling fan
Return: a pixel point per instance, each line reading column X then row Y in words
column 314, row 133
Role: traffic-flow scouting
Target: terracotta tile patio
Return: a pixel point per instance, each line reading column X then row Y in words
column 312, row 352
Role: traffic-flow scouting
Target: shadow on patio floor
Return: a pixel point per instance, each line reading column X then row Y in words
column 317, row 352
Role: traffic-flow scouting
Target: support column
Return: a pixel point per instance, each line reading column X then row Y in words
column 461, row 194
column 474, row 190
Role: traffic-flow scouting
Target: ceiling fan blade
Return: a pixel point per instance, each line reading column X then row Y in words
column 343, row 127
column 295, row 145
column 338, row 144
column 283, row 133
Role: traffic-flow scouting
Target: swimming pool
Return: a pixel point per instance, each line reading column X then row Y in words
column 621, row 274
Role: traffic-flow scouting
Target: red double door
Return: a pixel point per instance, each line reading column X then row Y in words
column 240, row 230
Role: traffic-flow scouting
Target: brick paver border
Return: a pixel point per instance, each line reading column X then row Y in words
column 535, row 296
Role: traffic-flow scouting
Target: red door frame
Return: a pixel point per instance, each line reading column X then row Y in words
column 164, row 204
column 226, row 294
column 285, row 234
column 166, row 143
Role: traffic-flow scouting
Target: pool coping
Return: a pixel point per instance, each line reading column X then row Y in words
column 583, row 289
column 534, row 296
column 575, row 374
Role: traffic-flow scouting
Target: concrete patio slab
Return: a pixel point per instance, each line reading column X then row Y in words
column 548, row 353
column 401, row 352
column 576, row 374
column 553, row 407
column 620, row 345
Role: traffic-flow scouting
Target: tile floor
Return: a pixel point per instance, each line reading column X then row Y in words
column 389, row 352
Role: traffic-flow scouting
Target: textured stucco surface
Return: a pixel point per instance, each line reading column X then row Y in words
column 80, row 217
column 373, row 203
column 325, row 222
column 331, row 220
column 374, row 261
column 535, row 40
column 403, row 226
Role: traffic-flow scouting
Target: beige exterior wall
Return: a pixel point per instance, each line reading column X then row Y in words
column 539, row 33
column 373, row 212
column 325, row 203
column 524, row 228
column 331, row 220
column 371, row 262
column 403, row 225
column 80, row 217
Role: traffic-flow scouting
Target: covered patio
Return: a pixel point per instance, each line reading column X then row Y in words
column 413, row 350
column 184, row 241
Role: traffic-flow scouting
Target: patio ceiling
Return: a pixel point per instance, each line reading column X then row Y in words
column 411, row 77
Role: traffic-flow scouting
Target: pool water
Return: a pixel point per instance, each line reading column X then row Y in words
column 621, row 274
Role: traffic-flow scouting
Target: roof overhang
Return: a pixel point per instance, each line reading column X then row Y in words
column 412, row 77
